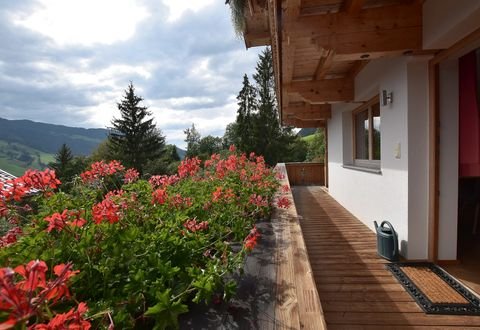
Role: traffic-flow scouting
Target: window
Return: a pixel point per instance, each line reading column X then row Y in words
column 366, row 134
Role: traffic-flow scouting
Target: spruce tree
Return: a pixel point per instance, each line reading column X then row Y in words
column 247, row 108
column 193, row 141
column 63, row 162
column 133, row 137
column 272, row 140
column 67, row 166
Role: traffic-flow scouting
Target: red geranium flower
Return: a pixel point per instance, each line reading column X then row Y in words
column 283, row 202
column 189, row 167
column 251, row 240
column 258, row 200
column 131, row 175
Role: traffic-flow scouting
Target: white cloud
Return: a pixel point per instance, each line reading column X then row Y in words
column 85, row 22
column 178, row 7
column 183, row 59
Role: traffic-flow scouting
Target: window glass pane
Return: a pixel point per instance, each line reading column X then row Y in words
column 376, row 131
column 361, row 135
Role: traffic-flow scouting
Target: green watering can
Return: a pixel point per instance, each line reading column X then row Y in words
column 387, row 241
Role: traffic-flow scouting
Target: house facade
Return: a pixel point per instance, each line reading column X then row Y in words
column 396, row 84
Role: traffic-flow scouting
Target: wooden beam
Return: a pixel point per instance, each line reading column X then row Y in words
column 303, row 123
column 323, row 91
column 306, row 111
column 272, row 12
column 290, row 13
column 379, row 29
column 353, row 6
column 361, row 44
column 324, row 64
column 357, row 67
column 256, row 39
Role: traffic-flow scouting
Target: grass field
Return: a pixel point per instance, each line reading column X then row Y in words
column 16, row 158
column 308, row 138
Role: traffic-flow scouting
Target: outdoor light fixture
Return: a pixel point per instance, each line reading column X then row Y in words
column 387, row 98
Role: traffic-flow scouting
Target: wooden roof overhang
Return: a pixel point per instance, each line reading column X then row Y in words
column 319, row 46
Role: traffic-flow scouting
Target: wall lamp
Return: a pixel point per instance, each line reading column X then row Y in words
column 387, row 98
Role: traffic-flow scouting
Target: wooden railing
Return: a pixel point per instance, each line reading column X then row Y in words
column 297, row 304
column 304, row 174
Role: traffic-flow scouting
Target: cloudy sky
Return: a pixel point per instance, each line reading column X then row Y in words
column 68, row 62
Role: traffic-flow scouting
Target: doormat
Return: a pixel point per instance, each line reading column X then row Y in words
column 434, row 289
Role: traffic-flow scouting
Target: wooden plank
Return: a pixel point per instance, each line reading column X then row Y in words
column 324, row 64
column 392, row 327
column 360, row 287
column 360, row 44
column 257, row 39
column 400, row 319
column 286, row 308
column 298, row 304
column 369, row 279
column 386, row 296
column 353, row 6
column 322, row 91
column 295, row 122
column 372, row 306
column 307, row 111
column 355, row 288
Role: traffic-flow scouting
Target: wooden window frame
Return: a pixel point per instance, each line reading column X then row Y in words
column 370, row 162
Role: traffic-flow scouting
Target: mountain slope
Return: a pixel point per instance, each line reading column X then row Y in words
column 27, row 144
column 48, row 137
column 306, row 132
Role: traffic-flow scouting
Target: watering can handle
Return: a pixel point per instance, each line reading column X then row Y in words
column 395, row 243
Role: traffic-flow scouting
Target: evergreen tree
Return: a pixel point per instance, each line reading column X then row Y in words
column 231, row 136
column 193, row 141
column 67, row 166
column 134, row 138
column 167, row 164
column 272, row 140
column 247, row 108
column 209, row 145
column 63, row 159
column 316, row 147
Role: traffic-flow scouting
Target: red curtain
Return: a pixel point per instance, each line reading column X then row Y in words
column 469, row 116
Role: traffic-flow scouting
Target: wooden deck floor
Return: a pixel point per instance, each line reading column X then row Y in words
column 355, row 289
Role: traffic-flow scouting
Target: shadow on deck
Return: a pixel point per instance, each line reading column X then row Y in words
column 355, row 289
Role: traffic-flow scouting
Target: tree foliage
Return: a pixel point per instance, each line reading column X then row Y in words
column 202, row 147
column 316, row 148
column 257, row 127
column 192, row 137
column 166, row 164
column 67, row 166
column 134, row 138
column 246, row 117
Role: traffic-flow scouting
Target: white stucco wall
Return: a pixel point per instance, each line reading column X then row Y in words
column 447, row 21
column 448, row 200
column 400, row 193
column 372, row 196
column 417, row 73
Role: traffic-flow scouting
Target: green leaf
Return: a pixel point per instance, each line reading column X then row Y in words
column 166, row 311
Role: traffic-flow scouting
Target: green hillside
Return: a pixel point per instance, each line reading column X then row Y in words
column 27, row 144
column 16, row 157
column 308, row 138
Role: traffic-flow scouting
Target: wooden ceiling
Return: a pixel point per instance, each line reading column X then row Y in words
column 319, row 46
